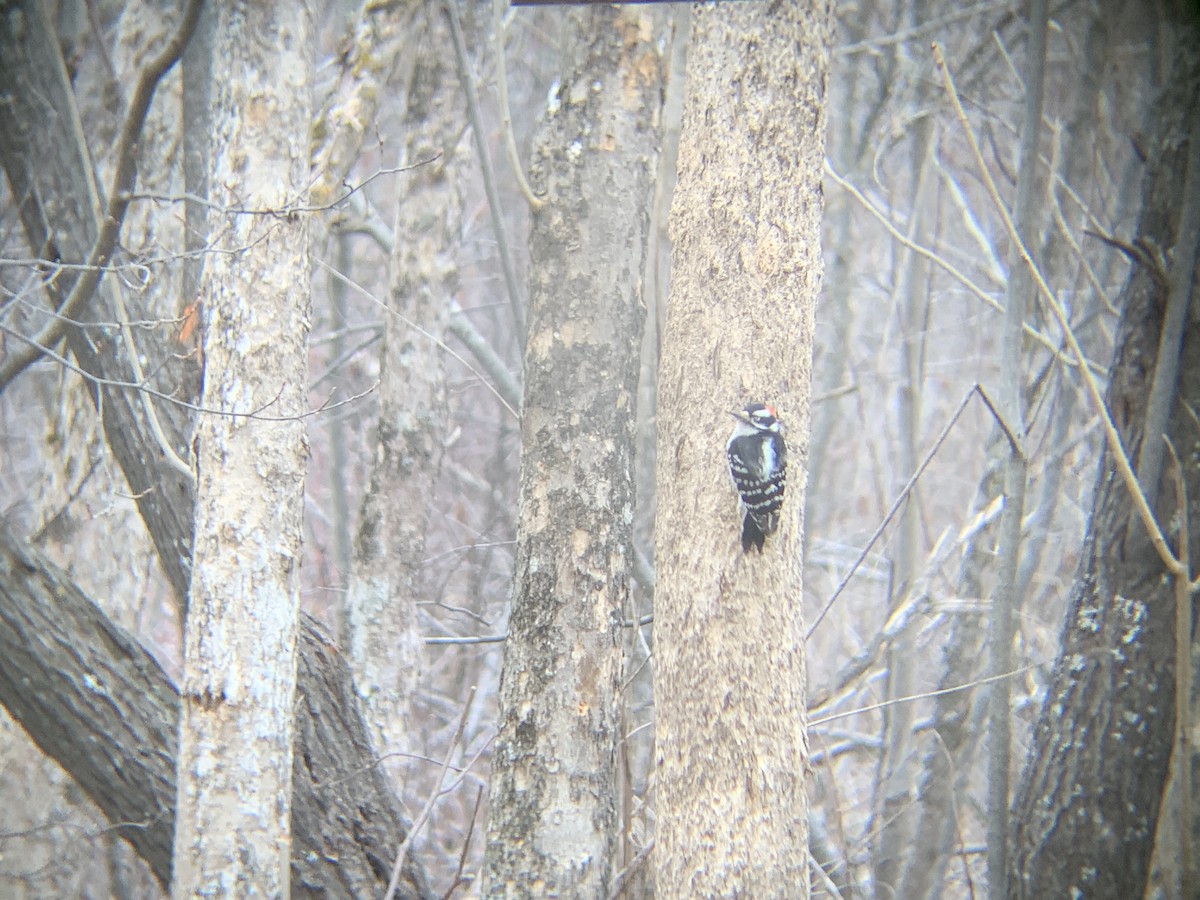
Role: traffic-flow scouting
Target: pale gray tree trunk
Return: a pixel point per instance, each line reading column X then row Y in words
column 389, row 547
column 346, row 819
column 553, row 824
column 729, row 641
column 232, row 829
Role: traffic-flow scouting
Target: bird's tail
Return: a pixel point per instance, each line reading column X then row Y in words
column 756, row 527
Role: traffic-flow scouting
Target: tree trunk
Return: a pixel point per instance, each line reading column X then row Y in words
column 552, row 825
column 389, row 547
column 729, row 654
column 1005, row 601
column 233, row 820
column 1086, row 811
column 50, row 170
column 341, row 842
column 346, row 822
column 894, row 807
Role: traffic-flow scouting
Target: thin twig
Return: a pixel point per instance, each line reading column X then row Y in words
column 901, row 619
column 926, row 695
column 900, row 499
column 501, row 638
column 948, row 267
column 485, row 165
column 280, row 212
column 432, row 799
column 822, row 876
column 873, row 45
column 510, row 141
column 1009, row 435
column 958, row 826
column 462, row 857
column 1112, row 436
column 124, row 175
column 413, row 325
column 1137, row 254
column 482, row 639
column 626, row 875
column 459, row 325
column 256, row 413
column 169, row 454
column 1064, row 231
column 507, row 384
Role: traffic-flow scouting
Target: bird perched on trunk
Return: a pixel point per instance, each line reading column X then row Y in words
column 758, row 465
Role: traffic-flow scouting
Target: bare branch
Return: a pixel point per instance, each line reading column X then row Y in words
column 485, row 165
column 118, row 199
column 398, row 867
column 904, row 35
column 413, row 325
column 925, row 695
column 510, row 143
column 625, row 876
column 1112, row 438
column 899, row 502
column 132, row 386
column 281, row 212
column 948, row 267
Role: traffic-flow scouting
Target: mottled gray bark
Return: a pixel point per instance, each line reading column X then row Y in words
column 233, row 814
column 389, row 547
column 553, row 823
column 48, row 166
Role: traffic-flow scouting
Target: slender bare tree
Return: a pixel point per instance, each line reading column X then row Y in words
column 389, row 545
column 729, row 645
column 1005, row 598
column 897, row 781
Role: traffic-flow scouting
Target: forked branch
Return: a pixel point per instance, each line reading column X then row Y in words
column 1092, row 388
column 109, row 227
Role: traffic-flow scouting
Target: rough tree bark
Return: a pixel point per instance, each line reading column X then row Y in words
column 233, row 816
column 389, row 547
column 729, row 654
column 1085, row 814
column 552, row 824
column 50, row 172
column 343, row 831
column 93, row 678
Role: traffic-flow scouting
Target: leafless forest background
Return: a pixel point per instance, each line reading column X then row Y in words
column 909, row 323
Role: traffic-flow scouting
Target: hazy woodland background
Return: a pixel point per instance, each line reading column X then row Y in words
column 917, row 264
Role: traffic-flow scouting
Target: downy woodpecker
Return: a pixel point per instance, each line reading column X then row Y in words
column 758, row 464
